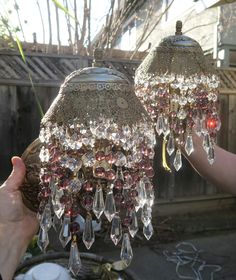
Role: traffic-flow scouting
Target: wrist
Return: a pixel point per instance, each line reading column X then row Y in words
column 13, row 245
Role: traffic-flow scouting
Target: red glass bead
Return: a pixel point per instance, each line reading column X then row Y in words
column 118, row 184
column 111, row 158
column 110, row 174
column 100, row 155
column 211, row 123
column 88, row 186
column 99, row 172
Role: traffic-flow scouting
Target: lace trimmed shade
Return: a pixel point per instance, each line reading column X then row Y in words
column 179, row 90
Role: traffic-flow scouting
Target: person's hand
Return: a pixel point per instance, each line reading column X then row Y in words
column 17, row 223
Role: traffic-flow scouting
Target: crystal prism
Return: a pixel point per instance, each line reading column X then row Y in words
column 133, row 228
column 142, row 196
column 65, row 234
column 43, row 239
column 126, row 253
column 46, row 218
column 58, row 207
column 160, row 125
column 98, row 202
column 88, row 234
column 178, row 160
column 211, row 154
column 189, row 144
column 148, row 231
column 170, row 147
column 116, row 229
column 110, row 207
column 74, row 260
column 150, row 196
column 206, row 143
column 198, row 126
column 146, row 215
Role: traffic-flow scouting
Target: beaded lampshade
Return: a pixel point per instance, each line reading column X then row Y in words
column 96, row 152
column 179, row 90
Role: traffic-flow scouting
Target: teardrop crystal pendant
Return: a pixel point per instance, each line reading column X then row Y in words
column 178, row 160
column 189, row 144
column 74, row 260
column 116, row 229
column 43, row 239
column 146, row 215
column 142, row 196
column 126, row 253
column 159, row 125
column 65, row 234
column 57, row 206
column 88, row 234
column 170, row 147
column 110, row 207
column 206, row 143
column 133, row 228
column 211, row 154
column 46, row 218
column 98, row 202
column 148, row 231
column 56, row 223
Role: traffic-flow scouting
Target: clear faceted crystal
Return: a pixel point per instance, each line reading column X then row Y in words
column 148, row 231
column 46, row 218
column 146, row 215
column 98, row 202
column 88, row 234
column 116, row 229
column 43, row 239
column 88, row 159
column 160, row 125
column 126, row 253
column 178, row 160
column 57, row 206
column 110, row 207
column 189, row 148
column 121, row 159
column 133, row 228
column 142, row 196
column 75, row 185
column 150, row 196
column 74, row 260
column 65, row 234
column 170, row 147
column 206, row 142
column 198, row 126
column 211, row 154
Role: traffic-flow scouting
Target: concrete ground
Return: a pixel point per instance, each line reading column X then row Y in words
column 149, row 262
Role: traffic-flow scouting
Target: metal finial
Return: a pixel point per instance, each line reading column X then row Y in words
column 178, row 27
column 97, row 57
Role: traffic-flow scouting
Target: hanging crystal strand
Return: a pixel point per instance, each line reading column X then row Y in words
column 146, row 215
column 98, row 202
column 133, row 227
column 206, row 143
column 126, row 253
column 189, row 148
column 211, row 153
column 116, row 229
column 65, row 234
column 148, row 231
column 46, row 218
column 58, row 207
column 178, row 160
column 110, row 207
column 159, row 125
column 170, row 147
column 88, row 234
column 74, row 259
column 43, row 239
column 198, row 126
column 142, row 196
column 166, row 126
